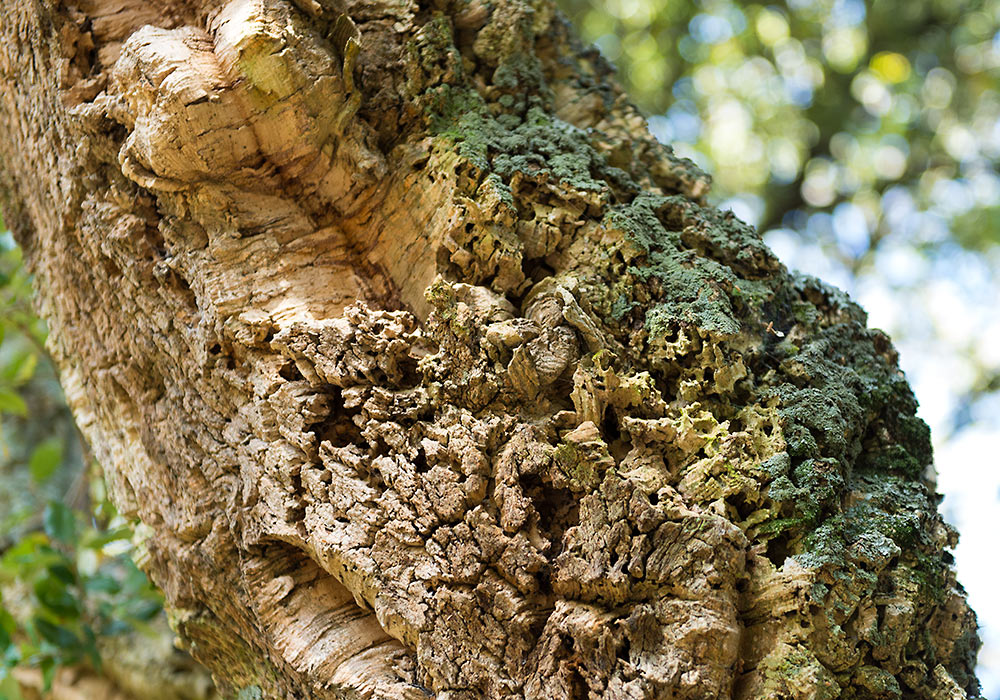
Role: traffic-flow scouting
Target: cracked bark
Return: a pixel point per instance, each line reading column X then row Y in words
column 428, row 372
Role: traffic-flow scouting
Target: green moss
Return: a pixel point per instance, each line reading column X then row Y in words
column 453, row 113
column 862, row 533
column 250, row 692
column 691, row 289
column 621, row 307
column 789, row 671
column 507, row 43
column 432, row 54
column 582, row 464
column 538, row 144
column 877, row 682
column 567, row 458
column 580, row 472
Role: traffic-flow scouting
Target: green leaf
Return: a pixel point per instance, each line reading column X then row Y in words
column 115, row 627
column 56, row 597
column 7, row 626
column 7, row 622
column 62, row 573
column 59, row 522
column 28, row 557
column 48, row 666
column 11, row 402
column 144, row 610
column 9, row 688
column 60, row 636
column 90, row 648
column 96, row 540
column 102, row 583
column 20, row 367
column 45, row 460
column 23, row 552
column 134, row 581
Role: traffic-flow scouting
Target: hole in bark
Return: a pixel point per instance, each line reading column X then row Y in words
column 215, row 349
column 376, row 376
column 778, row 550
column 181, row 285
column 618, row 444
column 296, row 505
column 578, row 685
column 609, row 426
column 654, row 498
column 420, row 462
column 709, row 375
column 557, row 509
column 338, row 427
column 623, row 650
column 742, row 507
column 536, row 270
column 290, row 371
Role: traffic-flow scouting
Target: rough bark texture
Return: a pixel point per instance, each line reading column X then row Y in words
column 429, row 373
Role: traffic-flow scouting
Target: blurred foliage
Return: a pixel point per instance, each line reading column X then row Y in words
column 861, row 137
column 66, row 575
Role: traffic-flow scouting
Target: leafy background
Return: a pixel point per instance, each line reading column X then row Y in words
column 67, row 576
column 863, row 140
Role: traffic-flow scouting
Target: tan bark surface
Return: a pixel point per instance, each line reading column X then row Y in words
column 430, row 375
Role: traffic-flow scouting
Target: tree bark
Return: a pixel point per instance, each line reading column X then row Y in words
column 428, row 372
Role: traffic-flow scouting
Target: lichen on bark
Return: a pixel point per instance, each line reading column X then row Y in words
column 432, row 373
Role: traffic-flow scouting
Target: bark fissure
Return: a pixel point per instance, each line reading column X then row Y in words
column 429, row 372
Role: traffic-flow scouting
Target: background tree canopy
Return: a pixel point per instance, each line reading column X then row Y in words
column 863, row 140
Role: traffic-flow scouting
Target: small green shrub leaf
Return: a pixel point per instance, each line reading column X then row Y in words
column 10, row 402
column 45, row 460
column 59, row 522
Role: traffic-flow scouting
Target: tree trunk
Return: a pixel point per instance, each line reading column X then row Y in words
column 429, row 374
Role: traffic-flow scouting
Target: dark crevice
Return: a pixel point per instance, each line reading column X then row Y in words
column 557, row 509
column 338, row 428
column 623, row 651
column 420, row 462
column 290, row 371
column 778, row 549
column 536, row 270
column 742, row 506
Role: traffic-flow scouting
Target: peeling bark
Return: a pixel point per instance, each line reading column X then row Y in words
column 429, row 373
